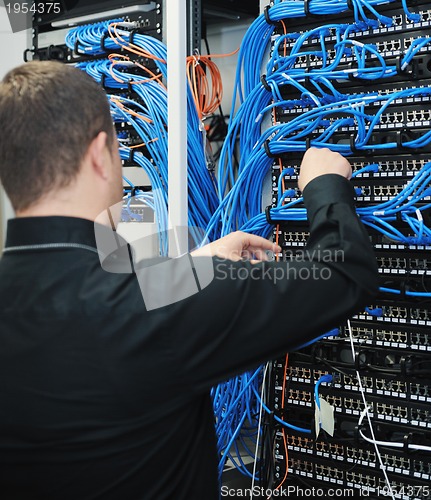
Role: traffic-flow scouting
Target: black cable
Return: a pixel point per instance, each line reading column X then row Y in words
column 330, row 365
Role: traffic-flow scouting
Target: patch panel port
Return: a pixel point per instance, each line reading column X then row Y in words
column 398, row 20
column 425, row 15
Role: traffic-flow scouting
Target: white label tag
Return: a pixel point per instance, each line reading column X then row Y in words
column 327, row 417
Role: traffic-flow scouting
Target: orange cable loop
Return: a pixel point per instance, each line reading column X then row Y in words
column 205, row 83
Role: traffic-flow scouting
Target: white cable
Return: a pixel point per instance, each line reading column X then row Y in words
column 262, row 394
column 390, row 444
column 367, row 413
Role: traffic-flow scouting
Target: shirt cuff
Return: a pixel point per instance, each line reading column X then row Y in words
column 326, row 190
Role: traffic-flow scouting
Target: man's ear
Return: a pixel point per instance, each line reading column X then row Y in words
column 97, row 154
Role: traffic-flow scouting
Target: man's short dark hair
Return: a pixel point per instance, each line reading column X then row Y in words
column 49, row 114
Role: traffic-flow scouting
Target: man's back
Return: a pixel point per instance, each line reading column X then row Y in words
column 89, row 390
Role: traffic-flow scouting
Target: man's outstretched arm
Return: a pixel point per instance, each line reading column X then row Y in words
column 255, row 312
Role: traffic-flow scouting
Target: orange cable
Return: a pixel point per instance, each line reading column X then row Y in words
column 222, row 55
column 114, row 61
column 205, row 83
column 130, row 111
column 286, row 450
column 143, row 143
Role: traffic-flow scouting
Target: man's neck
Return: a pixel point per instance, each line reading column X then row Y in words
column 64, row 206
column 52, row 211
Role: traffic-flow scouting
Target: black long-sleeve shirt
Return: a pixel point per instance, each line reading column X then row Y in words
column 102, row 399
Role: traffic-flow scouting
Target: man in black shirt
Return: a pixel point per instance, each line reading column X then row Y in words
column 100, row 397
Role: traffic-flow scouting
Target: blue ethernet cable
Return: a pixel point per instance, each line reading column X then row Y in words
column 277, row 418
column 202, row 190
column 323, row 379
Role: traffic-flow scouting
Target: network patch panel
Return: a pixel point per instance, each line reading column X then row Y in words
column 395, row 459
column 400, row 22
column 389, row 50
column 402, row 167
column 394, row 386
column 406, row 115
column 399, row 411
column 411, row 264
column 370, row 192
column 401, row 313
column 360, row 477
column 397, row 336
column 386, row 38
column 48, row 35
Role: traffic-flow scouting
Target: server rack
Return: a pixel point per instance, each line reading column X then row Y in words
column 391, row 338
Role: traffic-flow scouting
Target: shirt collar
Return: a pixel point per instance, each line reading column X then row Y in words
column 42, row 230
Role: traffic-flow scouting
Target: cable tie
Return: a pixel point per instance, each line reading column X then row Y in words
column 404, row 367
column 268, row 151
column 353, row 147
column 271, row 418
column 400, row 135
column 132, row 36
column 403, row 290
column 308, row 144
column 307, row 11
column 102, row 42
column 131, row 158
column 268, row 215
column 269, row 219
column 357, row 434
column 407, row 439
column 357, row 360
column 26, row 51
column 419, row 215
column 350, row 5
column 265, row 83
column 267, row 18
column 399, row 216
column 352, row 73
column 76, row 48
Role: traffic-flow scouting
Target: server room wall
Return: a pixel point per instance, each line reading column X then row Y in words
column 223, row 39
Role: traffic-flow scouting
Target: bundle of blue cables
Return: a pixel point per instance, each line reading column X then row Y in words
column 149, row 112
